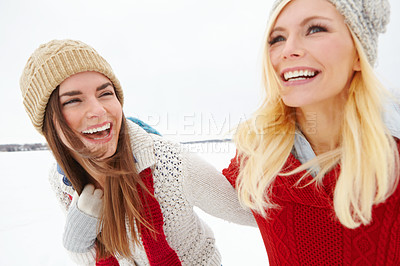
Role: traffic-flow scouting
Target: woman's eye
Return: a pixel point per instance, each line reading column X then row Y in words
column 107, row 93
column 315, row 29
column 276, row 39
column 71, row 102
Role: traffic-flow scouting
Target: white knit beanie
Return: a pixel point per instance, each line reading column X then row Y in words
column 366, row 18
column 51, row 64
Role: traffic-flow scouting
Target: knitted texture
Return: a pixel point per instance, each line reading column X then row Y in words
column 83, row 231
column 51, row 64
column 366, row 18
column 305, row 231
column 110, row 261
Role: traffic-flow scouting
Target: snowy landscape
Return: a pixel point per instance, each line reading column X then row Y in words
column 32, row 222
column 191, row 69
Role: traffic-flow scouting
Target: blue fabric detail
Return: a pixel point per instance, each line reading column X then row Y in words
column 65, row 179
column 59, row 170
column 143, row 125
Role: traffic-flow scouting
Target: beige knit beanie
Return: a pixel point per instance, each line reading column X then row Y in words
column 366, row 18
column 51, row 64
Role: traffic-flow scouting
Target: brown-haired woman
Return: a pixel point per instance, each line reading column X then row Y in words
column 133, row 192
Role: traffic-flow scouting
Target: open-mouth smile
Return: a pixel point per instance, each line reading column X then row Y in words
column 101, row 132
column 299, row 75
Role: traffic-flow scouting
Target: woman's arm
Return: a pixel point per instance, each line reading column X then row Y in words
column 62, row 191
column 81, row 219
column 208, row 189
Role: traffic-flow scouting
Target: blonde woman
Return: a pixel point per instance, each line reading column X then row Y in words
column 128, row 194
column 318, row 162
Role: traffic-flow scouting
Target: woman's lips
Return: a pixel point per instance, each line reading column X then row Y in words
column 99, row 133
column 298, row 76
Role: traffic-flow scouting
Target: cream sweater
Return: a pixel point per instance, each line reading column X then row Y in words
column 181, row 180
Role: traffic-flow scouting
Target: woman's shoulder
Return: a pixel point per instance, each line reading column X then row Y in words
column 169, row 154
column 152, row 149
column 143, row 135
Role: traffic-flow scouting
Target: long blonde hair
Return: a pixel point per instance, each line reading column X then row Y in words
column 367, row 153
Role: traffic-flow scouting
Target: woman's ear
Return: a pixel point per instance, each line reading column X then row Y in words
column 357, row 64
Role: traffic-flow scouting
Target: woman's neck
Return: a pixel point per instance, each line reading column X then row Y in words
column 321, row 126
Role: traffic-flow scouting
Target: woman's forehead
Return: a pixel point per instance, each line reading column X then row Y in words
column 302, row 9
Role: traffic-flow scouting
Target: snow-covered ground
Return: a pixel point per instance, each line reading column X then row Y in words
column 31, row 222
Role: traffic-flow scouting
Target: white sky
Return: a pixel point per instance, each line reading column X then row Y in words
column 187, row 67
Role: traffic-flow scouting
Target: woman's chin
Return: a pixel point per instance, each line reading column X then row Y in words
column 102, row 151
column 294, row 101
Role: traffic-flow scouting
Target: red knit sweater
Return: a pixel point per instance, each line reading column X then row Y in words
column 305, row 231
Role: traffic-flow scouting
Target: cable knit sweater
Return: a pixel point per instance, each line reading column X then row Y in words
column 305, row 231
column 179, row 181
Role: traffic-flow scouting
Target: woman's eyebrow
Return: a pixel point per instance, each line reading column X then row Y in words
column 308, row 19
column 71, row 93
column 77, row 92
column 102, row 87
column 303, row 22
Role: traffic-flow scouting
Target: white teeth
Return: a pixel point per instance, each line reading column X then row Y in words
column 94, row 130
column 298, row 74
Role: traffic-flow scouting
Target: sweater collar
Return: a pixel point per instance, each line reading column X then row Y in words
column 142, row 145
column 289, row 189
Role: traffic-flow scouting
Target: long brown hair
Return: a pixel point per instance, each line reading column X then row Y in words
column 121, row 201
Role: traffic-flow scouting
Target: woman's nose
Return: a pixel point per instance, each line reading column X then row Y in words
column 293, row 48
column 95, row 109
